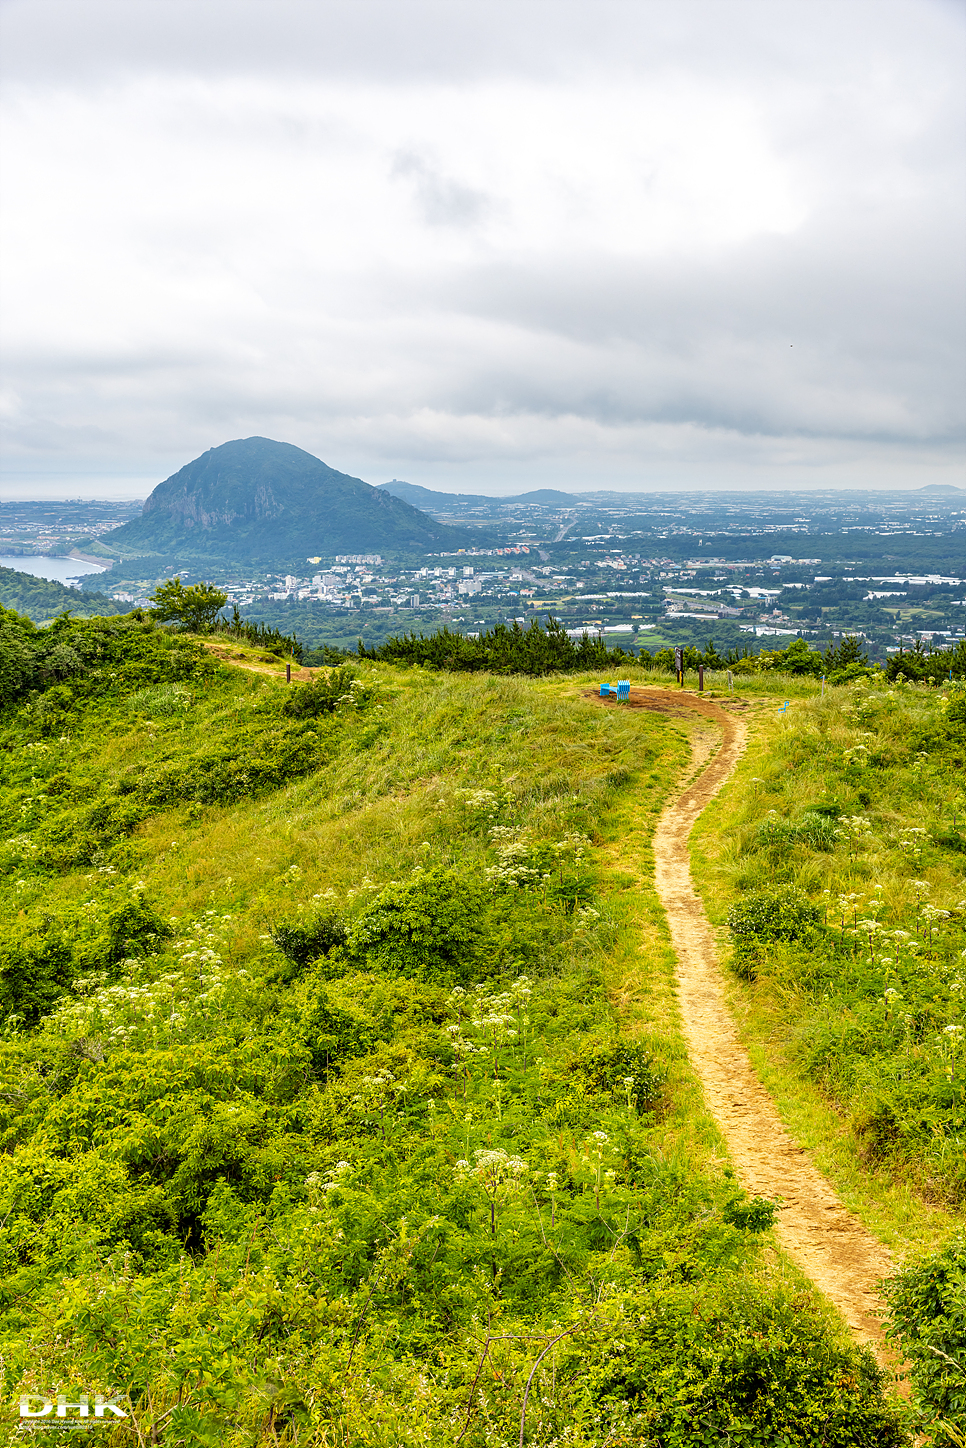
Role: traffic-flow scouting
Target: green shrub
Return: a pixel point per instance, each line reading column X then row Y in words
column 37, row 965
column 101, row 656
column 431, row 927
column 334, row 1033
column 61, row 662
column 20, row 643
column 756, row 1214
column 927, row 1301
column 301, row 944
column 628, row 1072
column 767, row 916
column 320, row 696
column 194, row 607
column 713, row 1364
column 33, row 976
column 131, row 927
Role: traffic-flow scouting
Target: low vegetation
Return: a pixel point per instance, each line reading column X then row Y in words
column 857, row 821
column 835, row 861
column 321, row 1120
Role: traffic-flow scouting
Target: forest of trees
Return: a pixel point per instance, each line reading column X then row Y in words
column 42, row 598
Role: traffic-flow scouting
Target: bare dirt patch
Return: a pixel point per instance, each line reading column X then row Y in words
column 819, row 1234
column 257, row 663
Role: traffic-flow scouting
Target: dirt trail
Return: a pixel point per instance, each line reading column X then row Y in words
column 824, row 1239
column 239, row 660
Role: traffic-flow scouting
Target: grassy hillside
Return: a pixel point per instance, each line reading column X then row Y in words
column 835, row 863
column 343, row 1100
column 41, row 599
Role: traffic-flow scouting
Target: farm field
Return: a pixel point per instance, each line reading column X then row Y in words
column 346, row 1097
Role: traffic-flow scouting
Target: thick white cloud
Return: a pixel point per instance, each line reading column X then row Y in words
column 486, row 245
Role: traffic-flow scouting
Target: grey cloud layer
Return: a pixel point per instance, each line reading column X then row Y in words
column 462, row 40
column 610, row 244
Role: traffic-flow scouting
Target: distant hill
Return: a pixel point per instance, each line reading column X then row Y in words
column 426, row 498
column 545, row 495
column 938, row 488
column 41, row 599
column 420, row 497
column 259, row 501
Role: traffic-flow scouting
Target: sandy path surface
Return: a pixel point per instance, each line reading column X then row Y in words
column 824, row 1239
column 239, row 660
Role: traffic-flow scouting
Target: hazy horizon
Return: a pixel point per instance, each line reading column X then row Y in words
column 106, row 490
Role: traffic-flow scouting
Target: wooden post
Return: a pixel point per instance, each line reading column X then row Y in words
column 288, row 673
column 701, row 678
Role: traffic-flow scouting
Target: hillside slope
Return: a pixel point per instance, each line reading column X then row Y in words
column 342, row 1094
column 41, row 599
column 837, row 864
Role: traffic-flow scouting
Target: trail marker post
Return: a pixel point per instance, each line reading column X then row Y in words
column 679, row 666
column 701, row 678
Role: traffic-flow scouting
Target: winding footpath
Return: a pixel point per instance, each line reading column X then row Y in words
column 824, row 1240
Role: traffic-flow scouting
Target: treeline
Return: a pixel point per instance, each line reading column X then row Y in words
column 838, row 662
column 502, row 650
column 925, row 664
column 41, row 598
column 545, row 649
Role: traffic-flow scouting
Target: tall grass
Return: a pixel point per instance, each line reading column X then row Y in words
column 869, row 1016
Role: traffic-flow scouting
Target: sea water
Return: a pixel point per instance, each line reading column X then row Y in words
column 61, row 570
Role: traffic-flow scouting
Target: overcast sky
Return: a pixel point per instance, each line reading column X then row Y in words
column 485, row 245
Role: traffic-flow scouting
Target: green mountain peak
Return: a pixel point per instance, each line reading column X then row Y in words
column 261, row 501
